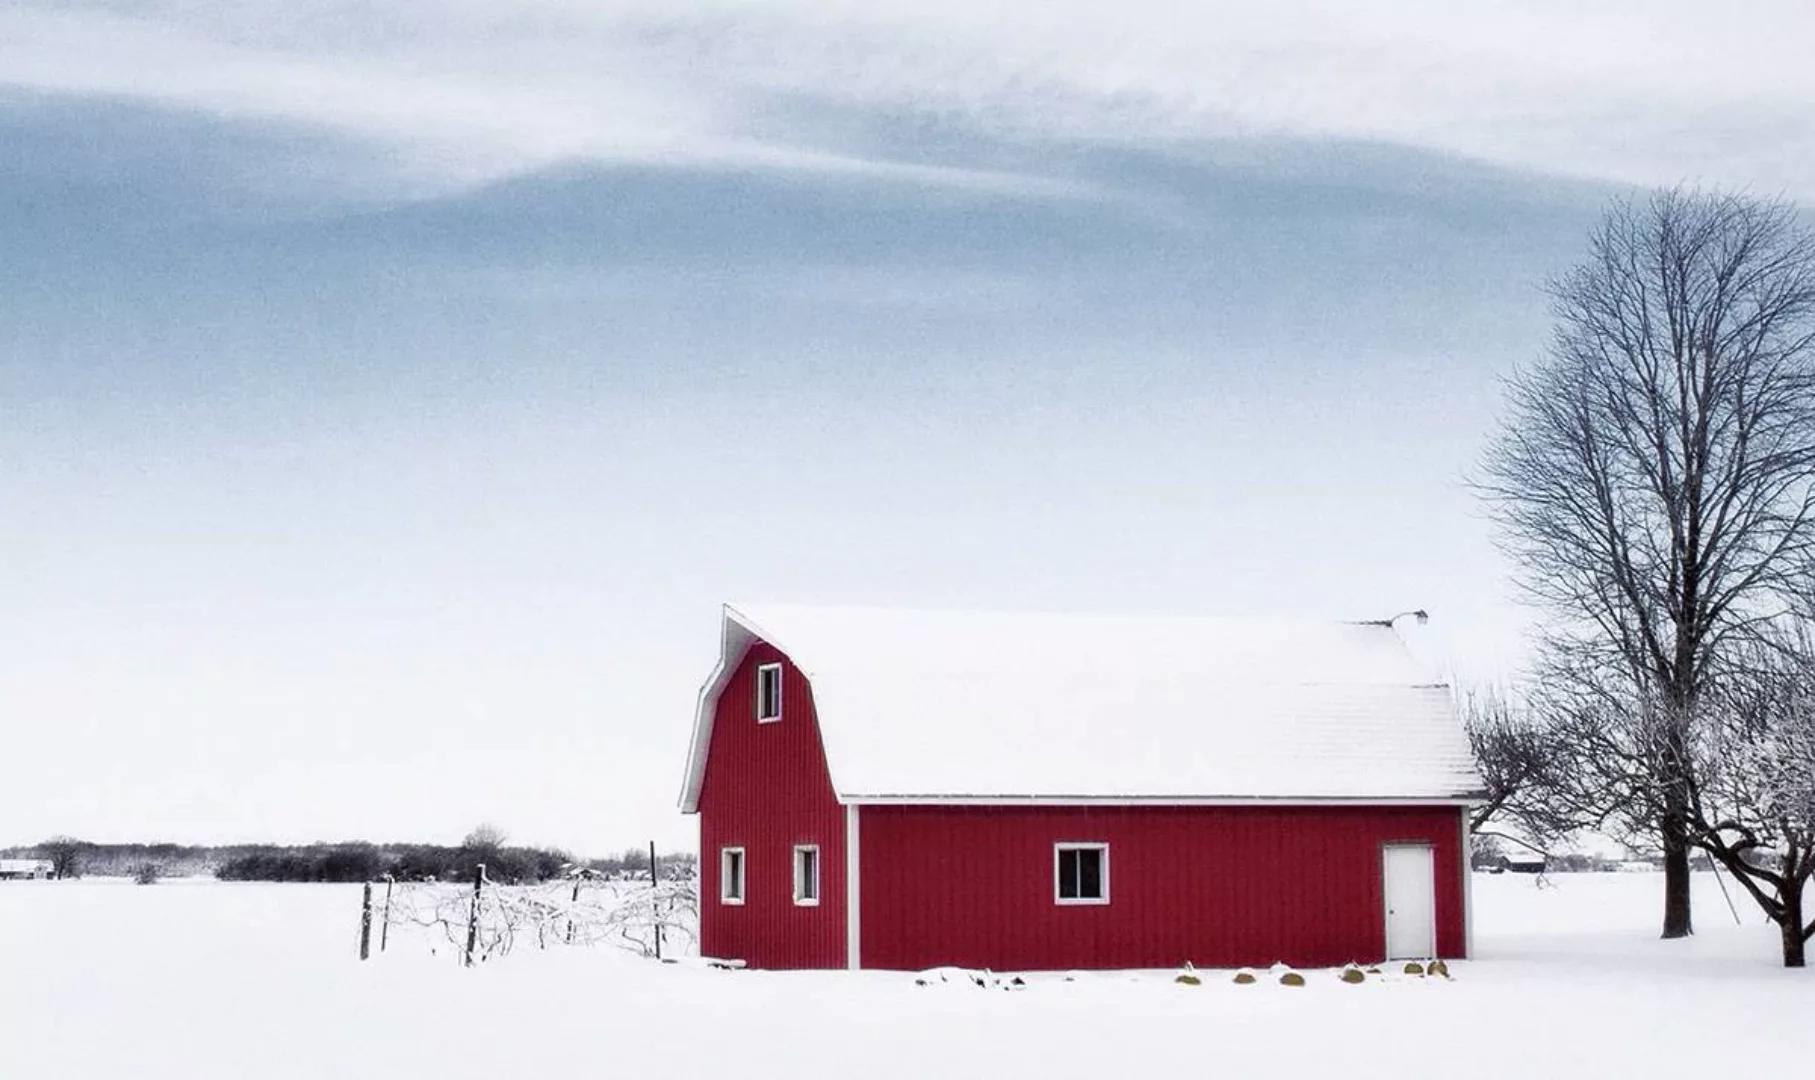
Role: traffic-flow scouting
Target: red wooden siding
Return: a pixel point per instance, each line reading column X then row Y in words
column 1218, row 886
column 766, row 789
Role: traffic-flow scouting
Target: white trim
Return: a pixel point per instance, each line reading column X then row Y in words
column 798, row 878
column 1147, row 800
column 1080, row 845
column 762, row 672
column 853, row 910
column 743, row 884
column 1468, row 890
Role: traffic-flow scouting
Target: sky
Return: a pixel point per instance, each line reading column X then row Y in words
column 391, row 393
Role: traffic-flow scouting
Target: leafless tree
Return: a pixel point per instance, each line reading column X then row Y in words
column 65, row 855
column 1752, row 806
column 1521, row 766
column 1612, row 736
column 484, row 838
column 1652, row 476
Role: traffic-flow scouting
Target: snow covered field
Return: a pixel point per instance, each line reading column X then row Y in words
column 209, row 981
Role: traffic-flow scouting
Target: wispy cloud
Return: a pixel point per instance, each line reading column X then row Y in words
column 463, row 91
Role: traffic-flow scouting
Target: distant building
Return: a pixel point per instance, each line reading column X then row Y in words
column 1526, row 862
column 905, row 790
column 24, row 869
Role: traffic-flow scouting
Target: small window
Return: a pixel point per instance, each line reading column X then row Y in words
column 1080, row 873
column 806, row 874
column 768, row 693
column 731, row 875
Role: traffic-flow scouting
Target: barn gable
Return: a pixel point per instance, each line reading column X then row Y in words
column 918, row 706
column 765, row 796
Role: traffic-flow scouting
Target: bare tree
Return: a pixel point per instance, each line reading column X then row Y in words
column 485, row 838
column 1652, row 477
column 65, row 855
column 1521, row 766
column 1753, row 802
column 1612, row 736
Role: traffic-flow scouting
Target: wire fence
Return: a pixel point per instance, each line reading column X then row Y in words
column 482, row 920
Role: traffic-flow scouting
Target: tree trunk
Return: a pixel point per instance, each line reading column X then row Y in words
column 1793, row 943
column 1677, row 921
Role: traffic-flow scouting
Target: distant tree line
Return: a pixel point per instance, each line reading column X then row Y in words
column 348, row 861
column 70, row 857
column 405, row 862
column 431, row 862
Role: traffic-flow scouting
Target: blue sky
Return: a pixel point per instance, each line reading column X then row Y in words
column 391, row 392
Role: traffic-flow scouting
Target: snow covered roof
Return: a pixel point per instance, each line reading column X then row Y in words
column 922, row 705
column 24, row 866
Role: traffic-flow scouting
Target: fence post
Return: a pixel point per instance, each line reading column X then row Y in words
column 472, row 920
column 655, row 902
column 577, row 878
column 365, row 923
column 384, row 930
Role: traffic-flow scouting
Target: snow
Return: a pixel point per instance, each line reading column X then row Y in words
column 918, row 704
column 216, row 981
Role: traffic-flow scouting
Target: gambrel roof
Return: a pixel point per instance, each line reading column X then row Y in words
column 984, row 706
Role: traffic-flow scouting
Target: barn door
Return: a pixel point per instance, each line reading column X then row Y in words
column 1411, row 901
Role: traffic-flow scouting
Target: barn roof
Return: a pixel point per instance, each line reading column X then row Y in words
column 923, row 705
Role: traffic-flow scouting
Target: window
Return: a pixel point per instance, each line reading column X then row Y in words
column 768, row 693
column 731, row 875
column 1080, row 873
column 806, row 874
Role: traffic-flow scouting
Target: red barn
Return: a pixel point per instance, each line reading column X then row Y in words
column 904, row 790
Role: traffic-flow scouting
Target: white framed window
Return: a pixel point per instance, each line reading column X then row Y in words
column 768, row 693
column 1080, row 873
column 731, row 875
column 806, row 874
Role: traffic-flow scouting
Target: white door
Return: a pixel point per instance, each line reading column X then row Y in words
column 1411, row 902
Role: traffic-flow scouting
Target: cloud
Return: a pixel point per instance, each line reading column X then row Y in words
column 464, row 91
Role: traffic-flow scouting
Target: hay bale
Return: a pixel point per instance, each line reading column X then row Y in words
column 1413, row 967
column 1244, row 977
column 1352, row 975
column 1291, row 978
column 1373, row 969
column 1185, row 978
column 1438, row 968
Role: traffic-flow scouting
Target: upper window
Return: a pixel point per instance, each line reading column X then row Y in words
column 1080, row 873
column 768, row 692
column 731, row 875
column 806, row 874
